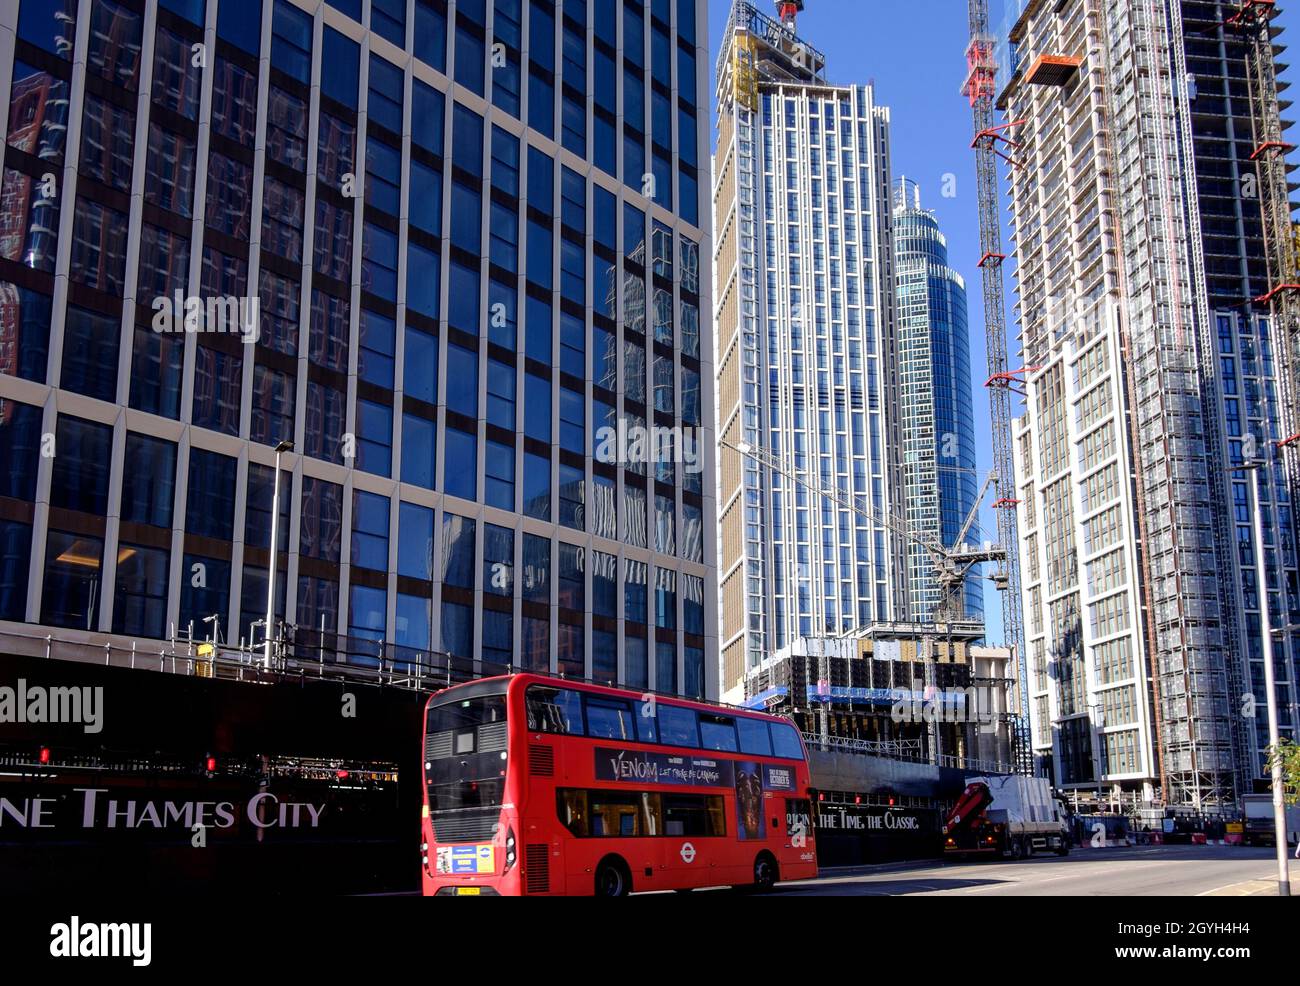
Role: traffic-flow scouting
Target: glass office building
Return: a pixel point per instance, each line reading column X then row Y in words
column 939, row 472
column 445, row 247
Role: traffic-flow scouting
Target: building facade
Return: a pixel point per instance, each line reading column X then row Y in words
column 938, row 414
column 449, row 251
column 807, row 367
column 1150, row 373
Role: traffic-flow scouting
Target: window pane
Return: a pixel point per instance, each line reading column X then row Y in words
column 140, row 597
column 81, row 465
column 677, row 726
column 370, row 530
column 415, row 541
column 210, row 507
column 71, row 593
column 148, row 480
column 458, row 551
column 498, row 560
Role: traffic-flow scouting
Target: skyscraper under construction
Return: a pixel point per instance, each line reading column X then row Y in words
column 1151, row 379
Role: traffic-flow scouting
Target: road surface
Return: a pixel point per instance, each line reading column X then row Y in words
column 1181, row 871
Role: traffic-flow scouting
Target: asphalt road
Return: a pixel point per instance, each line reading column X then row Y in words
column 1179, row 871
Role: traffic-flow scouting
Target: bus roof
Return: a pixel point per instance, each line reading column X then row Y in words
column 498, row 685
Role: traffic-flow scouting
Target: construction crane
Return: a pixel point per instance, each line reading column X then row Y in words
column 988, row 143
column 952, row 564
column 1253, row 19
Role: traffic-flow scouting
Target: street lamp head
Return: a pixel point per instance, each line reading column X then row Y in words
column 284, row 446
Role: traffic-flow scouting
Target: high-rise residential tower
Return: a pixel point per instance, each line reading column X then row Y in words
column 807, row 366
column 1150, row 372
column 938, row 414
column 447, row 248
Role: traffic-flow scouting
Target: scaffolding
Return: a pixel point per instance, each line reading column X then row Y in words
column 1121, row 69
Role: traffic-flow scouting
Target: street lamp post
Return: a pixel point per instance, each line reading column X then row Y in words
column 1098, row 713
column 1266, row 636
column 280, row 449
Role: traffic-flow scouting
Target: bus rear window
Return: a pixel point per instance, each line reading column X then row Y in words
column 465, row 765
column 473, row 725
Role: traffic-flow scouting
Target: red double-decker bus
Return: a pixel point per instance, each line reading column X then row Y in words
column 539, row 785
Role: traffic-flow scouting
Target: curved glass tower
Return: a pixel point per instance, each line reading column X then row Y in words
column 938, row 417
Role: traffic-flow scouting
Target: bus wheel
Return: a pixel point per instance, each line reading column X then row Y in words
column 765, row 874
column 612, row 879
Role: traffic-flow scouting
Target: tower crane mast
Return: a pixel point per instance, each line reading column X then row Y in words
column 987, row 143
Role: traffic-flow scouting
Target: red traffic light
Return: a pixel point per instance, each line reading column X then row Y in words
column 211, row 765
column 44, row 755
column 341, row 775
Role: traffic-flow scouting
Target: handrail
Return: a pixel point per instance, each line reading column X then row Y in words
column 907, row 750
column 301, row 654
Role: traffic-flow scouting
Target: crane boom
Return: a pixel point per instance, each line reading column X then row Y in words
column 951, row 564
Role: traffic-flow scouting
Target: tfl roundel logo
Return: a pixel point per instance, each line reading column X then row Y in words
column 688, row 853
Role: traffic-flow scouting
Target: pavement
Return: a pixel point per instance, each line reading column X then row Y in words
column 1176, row 871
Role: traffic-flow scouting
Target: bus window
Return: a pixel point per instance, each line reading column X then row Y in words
column 606, row 814
column 609, row 718
column 785, row 741
column 754, row 737
column 572, row 807
column 694, row 815
column 717, row 732
column 646, row 729
column 554, row 710
column 677, row 726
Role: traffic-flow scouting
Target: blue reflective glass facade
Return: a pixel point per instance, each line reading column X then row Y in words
column 936, row 407
column 390, row 233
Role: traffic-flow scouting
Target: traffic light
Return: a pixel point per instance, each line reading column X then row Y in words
column 44, row 755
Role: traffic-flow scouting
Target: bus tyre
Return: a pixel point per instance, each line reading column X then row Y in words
column 765, row 874
column 612, row 878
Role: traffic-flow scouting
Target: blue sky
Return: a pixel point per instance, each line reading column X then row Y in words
column 914, row 52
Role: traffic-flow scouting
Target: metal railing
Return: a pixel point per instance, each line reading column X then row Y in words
column 911, row 751
column 892, row 749
column 299, row 654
